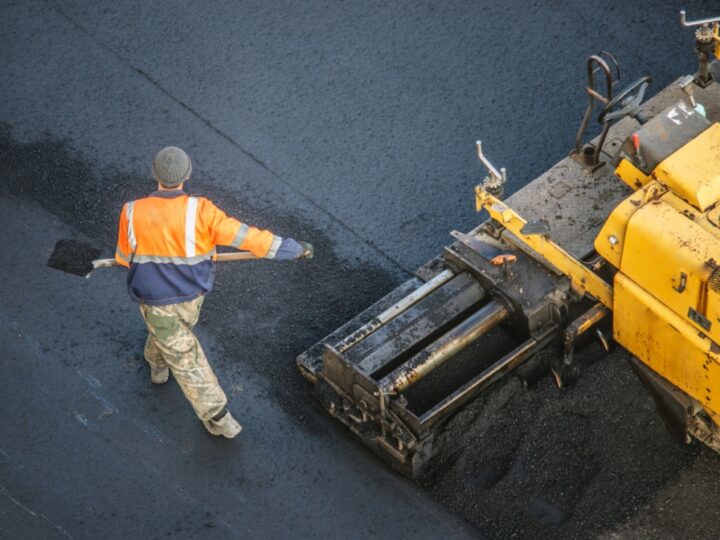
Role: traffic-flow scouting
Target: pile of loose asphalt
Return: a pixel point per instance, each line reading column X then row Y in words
column 592, row 459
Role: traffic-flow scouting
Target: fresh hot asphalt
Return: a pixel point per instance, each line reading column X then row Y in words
column 351, row 125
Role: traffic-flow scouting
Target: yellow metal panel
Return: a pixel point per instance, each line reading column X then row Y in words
column 693, row 172
column 631, row 175
column 610, row 242
column 667, row 343
column 582, row 278
column 708, row 220
column 670, row 256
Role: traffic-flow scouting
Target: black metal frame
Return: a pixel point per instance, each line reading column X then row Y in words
column 589, row 155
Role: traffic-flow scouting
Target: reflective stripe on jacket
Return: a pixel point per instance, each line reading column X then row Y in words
column 168, row 242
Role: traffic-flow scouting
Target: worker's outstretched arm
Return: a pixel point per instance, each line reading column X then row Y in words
column 228, row 231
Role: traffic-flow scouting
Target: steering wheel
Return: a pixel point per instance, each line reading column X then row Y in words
column 628, row 100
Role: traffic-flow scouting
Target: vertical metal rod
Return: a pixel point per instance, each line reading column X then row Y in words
column 382, row 397
column 394, row 310
column 445, row 347
column 593, row 61
column 601, row 143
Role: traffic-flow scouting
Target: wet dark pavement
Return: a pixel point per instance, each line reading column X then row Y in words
column 348, row 124
column 93, row 444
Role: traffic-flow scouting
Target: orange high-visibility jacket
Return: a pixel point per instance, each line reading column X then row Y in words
column 168, row 241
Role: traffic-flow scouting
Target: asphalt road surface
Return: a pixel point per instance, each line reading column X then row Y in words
column 348, row 124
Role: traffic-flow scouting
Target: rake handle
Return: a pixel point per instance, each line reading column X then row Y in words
column 237, row 256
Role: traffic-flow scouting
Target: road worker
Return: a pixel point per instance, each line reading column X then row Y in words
column 168, row 242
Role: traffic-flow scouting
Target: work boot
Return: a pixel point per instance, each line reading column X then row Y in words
column 226, row 426
column 159, row 375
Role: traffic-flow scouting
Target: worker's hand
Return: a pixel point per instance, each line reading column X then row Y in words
column 308, row 250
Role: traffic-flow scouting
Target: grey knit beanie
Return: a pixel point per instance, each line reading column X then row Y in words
column 171, row 166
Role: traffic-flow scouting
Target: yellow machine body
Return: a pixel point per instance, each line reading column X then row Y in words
column 664, row 240
column 664, row 243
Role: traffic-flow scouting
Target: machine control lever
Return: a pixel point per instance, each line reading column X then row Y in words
column 686, row 86
column 494, row 182
column 707, row 45
column 700, row 22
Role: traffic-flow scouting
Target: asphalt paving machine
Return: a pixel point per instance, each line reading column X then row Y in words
column 620, row 241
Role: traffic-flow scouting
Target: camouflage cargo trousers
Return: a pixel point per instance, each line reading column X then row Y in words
column 171, row 343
